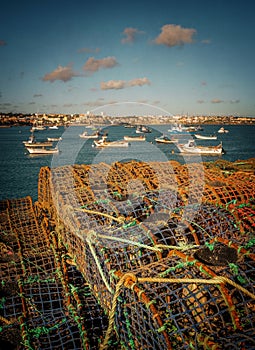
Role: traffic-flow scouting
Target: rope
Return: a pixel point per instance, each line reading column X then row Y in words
column 99, row 266
column 8, row 322
column 104, row 345
column 120, row 219
column 214, row 280
column 134, row 279
column 123, row 240
column 156, row 248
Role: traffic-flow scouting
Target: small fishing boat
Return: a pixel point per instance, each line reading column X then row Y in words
column 141, row 129
column 222, row 130
column 42, row 150
column 37, row 126
column 205, row 137
column 104, row 143
column 33, row 143
column 135, row 138
column 53, row 127
column 85, row 135
column 191, row 147
column 176, row 129
column 164, row 139
column 54, row 139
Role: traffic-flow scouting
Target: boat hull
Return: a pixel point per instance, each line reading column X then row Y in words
column 203, row 137
column 35, row 150
column 191, row 148
column 111, row 144
column 134, row 138
column 159, row 140
column 88, row 136
column 201, row 150
column 37, row 144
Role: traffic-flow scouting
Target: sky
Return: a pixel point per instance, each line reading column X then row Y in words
column 128, row 58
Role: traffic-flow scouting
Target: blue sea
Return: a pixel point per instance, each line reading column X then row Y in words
column 19, row 171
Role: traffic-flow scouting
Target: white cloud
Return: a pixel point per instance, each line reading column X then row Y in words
column 112, row 84
column 217, row 100
column 93, row 65
column 175, row 35
column 130, row 35
column 121, row 84
column 60, row 73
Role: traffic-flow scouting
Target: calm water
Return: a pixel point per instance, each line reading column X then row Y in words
column 19, row 170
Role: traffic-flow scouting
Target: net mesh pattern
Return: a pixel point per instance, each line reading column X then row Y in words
column 132, row 255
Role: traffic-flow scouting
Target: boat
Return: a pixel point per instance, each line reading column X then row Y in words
column 129, row 126
column 222, row 130
column 33, row 143
column 205, row 137
column 53, row 127
column 42, row 150
column 191, row 147
column 85, row 135
column 164, row 139
column 104, row 143
column 37, row 126
column 141, row 129
column 176, row 129
column 135, row 138
column 53, row 139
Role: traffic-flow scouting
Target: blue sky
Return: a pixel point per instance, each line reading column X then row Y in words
column 162, row 57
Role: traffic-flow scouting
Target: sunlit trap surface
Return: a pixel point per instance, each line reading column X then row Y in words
column 136, row 255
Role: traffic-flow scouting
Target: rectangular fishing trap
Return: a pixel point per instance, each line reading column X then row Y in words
column 131, row 255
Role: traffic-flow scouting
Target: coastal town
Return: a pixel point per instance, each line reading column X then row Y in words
column 19, row 119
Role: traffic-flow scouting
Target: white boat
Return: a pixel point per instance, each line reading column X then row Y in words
column 104, row 143
column 42, row 150
column 37, row 126
column 135, row 138
column 142, row 129
column 53, row 139
column 191, row 147
column 176, row 129
column 205, row 137
column 222, row 130
column 85, row 135
column 164, row 139
column 53, row 127
column 33, row 143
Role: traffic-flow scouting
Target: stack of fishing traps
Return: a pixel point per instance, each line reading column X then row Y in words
column 131, row 255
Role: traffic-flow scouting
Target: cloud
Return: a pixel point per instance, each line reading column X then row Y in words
column 88, row 50
column 98, row 103
column 60, row 73
column 37, row 95
column 92, row 65
column 3, row 43
column 121, row 84
column 139, row 82
column 174, row 35
column 130, row 35
column 112, row 84
column 216, row 100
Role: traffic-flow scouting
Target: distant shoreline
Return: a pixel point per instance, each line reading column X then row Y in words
column 106, row 120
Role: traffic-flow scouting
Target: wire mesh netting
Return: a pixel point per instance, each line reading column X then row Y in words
column 134, row 255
